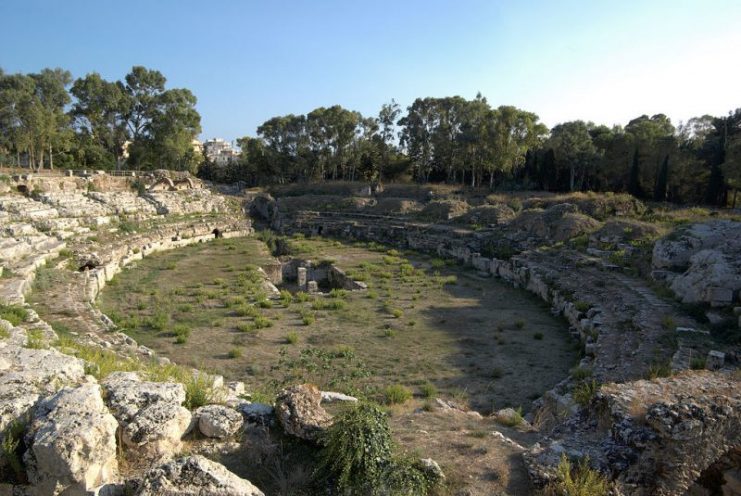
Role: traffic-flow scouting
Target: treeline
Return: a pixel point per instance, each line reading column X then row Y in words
column 469, row 142
column 49, row 120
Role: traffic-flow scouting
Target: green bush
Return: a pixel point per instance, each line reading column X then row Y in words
column 397, row 312
column 181, row 331
column 199, row 391
column 520, row 324
column 286, row 298
column 355, row 449
column 235, row 353
column 264, row 303
column 662, row 369
column 13, row 313
column 582, row 306
column 580, row 373
column 697, row 363
column 338, row 293
column 35, row 339
column 396, row 394
column 292, row 337
column 12, row 448
column 581, row 480
column 302, row 297
column 159, row 321
column 585, row 391
column 330, row 304
column 428, row 390
column 246, row 311
column 261, row 322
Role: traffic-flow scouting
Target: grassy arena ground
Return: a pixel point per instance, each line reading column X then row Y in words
column 433, row 328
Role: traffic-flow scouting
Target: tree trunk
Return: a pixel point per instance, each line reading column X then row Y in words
column 571, row 177
column 51, row 158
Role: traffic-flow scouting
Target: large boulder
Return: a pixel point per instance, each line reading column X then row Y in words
column 702, row 262
column 71, row 443
column 150, row 413
column 218, row 421
column 300, row 413
column 194, row 476
column 27, row 374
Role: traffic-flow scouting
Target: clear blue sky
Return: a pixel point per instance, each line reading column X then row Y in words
column 246, row 61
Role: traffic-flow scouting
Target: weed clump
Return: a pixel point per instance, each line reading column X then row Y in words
column 585, row 391
column 396, row 394
column 428, row 390
column 13, row 313
column 581, row 480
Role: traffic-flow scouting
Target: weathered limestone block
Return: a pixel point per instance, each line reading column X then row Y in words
column 72, row 443
column 150, row 413
column 157, row 429
column 300, row 413
column 218, row 421
column 195, row 476
column 28, row 374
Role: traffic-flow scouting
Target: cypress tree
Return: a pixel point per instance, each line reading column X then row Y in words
column 634, row 183
column 662, row 181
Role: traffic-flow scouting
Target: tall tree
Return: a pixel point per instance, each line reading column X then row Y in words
column 574, row 150
column 99, row 116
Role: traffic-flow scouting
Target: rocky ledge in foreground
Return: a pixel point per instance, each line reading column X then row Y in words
column 653, row 437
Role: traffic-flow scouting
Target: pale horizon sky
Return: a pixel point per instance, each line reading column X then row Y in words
column 247, row 61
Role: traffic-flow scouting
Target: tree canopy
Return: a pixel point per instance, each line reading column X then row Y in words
column 47, row 119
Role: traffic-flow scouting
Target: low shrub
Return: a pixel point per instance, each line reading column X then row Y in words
column 286, row 298
column 264, row 303
column 12, row 468
column 429, row 390
column 585, row 391
column 13, row 313
column 292, row 337
column 308, row 317
column 581, row 480
column 697, row 363
column 581, row 373
column 338, row 293
column 519, row 324
column 261, row 322
column 35, row 339
column 355, row 450
column 199, row 391
column 235, row 353
column 538, row 336
column 396, row 394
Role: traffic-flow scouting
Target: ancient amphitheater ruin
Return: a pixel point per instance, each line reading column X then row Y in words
column 651, row 399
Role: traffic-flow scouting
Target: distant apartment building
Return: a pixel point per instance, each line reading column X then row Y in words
column 219, row 151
